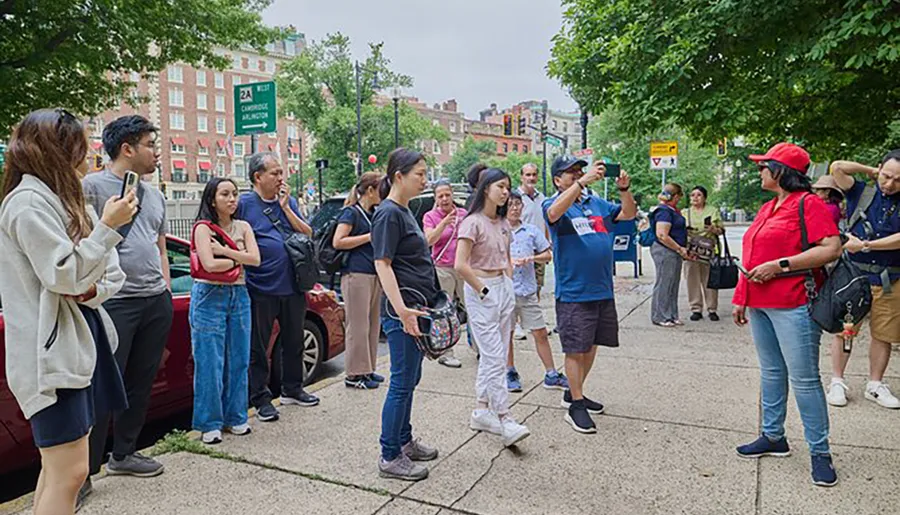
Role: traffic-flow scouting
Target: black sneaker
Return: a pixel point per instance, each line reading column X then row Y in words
column 592, row 406
column 579, row 419
column 302, row 399
column 361, row 382
column 86, row 490
column 696, row 317
column 823, row 473
column 713, row 317
column 267, row 413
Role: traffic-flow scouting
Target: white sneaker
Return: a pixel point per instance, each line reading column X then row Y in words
column 240, row 430
column 212, row 437
column 485, row 420
column 449, row 361
column 519, row 333
column 837, row 393
column 880, row 393
column 513, row 432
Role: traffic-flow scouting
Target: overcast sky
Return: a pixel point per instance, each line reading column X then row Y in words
column 476, row 51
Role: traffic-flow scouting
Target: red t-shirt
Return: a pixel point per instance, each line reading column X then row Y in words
column 775, row 235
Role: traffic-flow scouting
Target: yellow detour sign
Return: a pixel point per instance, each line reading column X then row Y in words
column 663, row 155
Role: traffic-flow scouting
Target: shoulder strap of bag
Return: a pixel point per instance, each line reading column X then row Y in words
column 453, row 235
column 865, row 200
column 229, row 241
column 268, row 211
column 365, row 215
column 809, row 281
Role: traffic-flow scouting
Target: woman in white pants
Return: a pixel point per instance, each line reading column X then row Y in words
column 482, row 259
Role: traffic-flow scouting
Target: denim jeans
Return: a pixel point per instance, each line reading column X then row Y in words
column 787, row 344
column 406, row 370
column 220, row 336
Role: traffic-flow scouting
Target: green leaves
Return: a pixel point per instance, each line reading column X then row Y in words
column 75, row 54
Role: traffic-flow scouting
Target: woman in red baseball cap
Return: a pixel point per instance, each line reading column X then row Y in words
column 775, row 301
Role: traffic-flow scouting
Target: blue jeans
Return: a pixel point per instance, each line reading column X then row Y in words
column 406, row 370
column 787, row 344
column 220, row 336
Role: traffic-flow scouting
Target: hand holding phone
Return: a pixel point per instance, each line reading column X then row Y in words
column 707, row 221
column 129, row 183
column 613, row 170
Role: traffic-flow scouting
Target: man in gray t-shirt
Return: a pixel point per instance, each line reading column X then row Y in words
column 142, row 310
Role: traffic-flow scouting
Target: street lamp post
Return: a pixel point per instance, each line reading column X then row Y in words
column 396, row 98
column 359, row 116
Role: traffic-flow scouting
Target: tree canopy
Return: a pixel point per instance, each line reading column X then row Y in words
column 319, row 88
column 819, row 72
column 469, row 153
column 77, row 54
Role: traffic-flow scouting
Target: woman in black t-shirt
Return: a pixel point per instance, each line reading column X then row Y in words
column 404, row 267
column 354, row 235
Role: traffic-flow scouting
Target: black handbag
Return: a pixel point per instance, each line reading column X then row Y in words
column 302, row 252
column 723, row 270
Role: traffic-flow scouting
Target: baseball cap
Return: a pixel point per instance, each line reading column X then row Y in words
column 563, row 163
column 787, row 154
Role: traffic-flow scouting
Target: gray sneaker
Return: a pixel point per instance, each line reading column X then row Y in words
column 134, row 465
column 402, row 468
column 415, row 450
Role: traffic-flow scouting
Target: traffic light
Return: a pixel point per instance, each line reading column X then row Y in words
column 507, row 125
column 162, row 188
column 522, row 123
column 722, row 147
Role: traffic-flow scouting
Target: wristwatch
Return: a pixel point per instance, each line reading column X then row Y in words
column 785, row 265
column 484, row 292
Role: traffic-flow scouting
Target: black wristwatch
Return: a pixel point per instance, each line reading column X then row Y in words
column 484, row 292
column 623, row 189
column 785, row 265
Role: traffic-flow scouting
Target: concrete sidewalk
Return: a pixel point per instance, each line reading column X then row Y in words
column 678, row 402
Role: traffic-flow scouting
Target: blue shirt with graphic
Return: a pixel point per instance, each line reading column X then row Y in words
column 275, row 273
column 884, row 216
column 583, row 249
column 527, row 241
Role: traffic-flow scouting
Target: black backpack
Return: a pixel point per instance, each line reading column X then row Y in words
column 330, row 258
column 845, row 297
column 301, row 251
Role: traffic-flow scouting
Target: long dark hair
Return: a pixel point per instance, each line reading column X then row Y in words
column 207, row 209
column 50, row 144
column 790, row 179
column 400, row 160
column 490, row 176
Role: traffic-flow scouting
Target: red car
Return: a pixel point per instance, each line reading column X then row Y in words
column 173, row 388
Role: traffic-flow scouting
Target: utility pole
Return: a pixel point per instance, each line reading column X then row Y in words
column 544, row 140
column 358, row 125
column 584, row 124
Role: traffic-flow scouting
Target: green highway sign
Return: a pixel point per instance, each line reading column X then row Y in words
column 254, row 108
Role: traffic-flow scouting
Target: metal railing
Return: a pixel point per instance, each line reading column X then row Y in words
column 181, row 227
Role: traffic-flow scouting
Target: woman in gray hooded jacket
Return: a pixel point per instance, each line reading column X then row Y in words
column 57, row 266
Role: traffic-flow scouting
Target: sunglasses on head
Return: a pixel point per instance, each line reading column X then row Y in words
column 64, row 116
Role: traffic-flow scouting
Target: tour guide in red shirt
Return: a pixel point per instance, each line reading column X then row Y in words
column 786, row 337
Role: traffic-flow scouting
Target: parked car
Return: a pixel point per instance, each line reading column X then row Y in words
column 173, row 388
column 419, row 206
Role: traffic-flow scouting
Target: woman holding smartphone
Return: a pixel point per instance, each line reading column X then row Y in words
column 57, row 267
column 406, row 271
column 703, row 221
column 482, row 259
column 220, row 316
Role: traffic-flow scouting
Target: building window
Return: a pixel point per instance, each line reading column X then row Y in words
column 270, row 66
column 202, row 177
column 135, row 77
column 554, row 124
column 452, row 148
column 220, row 125
column 436, row 122
column 176, row 121
column 176, row 97
column 175, row 74
column 236, row 62
column 515, row 147
column 421, row 145
column 177, row 195
column 435, row 147
column 220, row 80
column 220, row 169
column 524, row 149
column 203, row 151
column 565, row 126
column 239, row 148
column 201, row 101
column 453, row 127
column 236, row 79
column 220, row 103
column 253, row 64
column 293, row 132
column 178, row 175
column 201, row 77
column 220, row 151
column 238, row 169
column 505, row 148
column 202, row 123
column 177, row 148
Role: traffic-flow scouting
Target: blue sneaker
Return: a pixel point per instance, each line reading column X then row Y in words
column 513, row 383
column 762, row 446
column 361, row 383
column 555, row 381
column 823, row 473
column 378, row 378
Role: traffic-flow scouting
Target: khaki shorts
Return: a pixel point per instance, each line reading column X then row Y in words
column 885, row 316
column 529, row 313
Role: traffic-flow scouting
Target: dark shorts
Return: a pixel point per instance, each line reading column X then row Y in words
column 67, row 420
column 585, row 324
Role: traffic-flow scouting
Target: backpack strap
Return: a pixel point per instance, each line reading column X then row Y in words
column 865, row 200
column 809, row 281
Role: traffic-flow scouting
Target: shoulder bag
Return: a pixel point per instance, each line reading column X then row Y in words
column 440, row 327
column 302, row 252
column 197, row 270
column 703, row 247
column 723, row 270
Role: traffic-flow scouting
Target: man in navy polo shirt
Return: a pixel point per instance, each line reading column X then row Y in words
column 874, row 247
column 581, row 227
column 273, row 292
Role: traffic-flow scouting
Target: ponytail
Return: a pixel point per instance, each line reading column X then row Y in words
column 384, row 187
column 366, row 181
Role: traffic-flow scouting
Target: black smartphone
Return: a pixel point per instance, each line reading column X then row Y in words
column 129, row 183
column 707, row 220
column 424, row 324
column 613, row 170
column 742, row 269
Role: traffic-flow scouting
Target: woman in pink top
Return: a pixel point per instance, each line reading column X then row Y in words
column 441, row 226
column 482, row 259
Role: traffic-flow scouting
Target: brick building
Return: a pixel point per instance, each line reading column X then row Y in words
column 487, row 131
column 445, row 115
column 523, row 116
column 194, row 110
